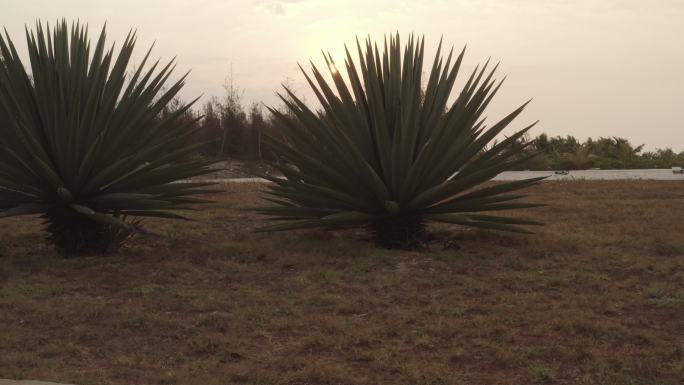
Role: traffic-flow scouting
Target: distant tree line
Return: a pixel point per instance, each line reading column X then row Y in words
column 234, row 130
column 228, row 128
column 568, row 153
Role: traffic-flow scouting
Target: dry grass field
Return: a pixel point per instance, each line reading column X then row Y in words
column 595, row 297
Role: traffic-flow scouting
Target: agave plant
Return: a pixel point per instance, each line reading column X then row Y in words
column 385, row 153
column 83, row 141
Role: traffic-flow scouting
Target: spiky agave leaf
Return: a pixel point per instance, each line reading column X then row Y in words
column 84, row 144
column 387, row 153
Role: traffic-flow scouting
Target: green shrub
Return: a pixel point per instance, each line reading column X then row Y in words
column 86, row 146
column 388, row 154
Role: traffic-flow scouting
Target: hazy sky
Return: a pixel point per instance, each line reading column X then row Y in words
column 594, row 68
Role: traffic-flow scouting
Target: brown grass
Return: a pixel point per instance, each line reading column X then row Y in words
column 596, row 297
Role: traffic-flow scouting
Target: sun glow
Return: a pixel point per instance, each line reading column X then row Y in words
column 330, row 43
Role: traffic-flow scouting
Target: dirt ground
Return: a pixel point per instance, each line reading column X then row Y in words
column 232, row 168
column 594, row 297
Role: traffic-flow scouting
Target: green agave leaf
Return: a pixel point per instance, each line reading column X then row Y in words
column 343, row 219
column 461, row 205
column 23, row 209
column 467, row 221
column 155, row 214
column 486, row 195
column 103, row 218
column 294, row 211
column 504, row 220
column 501, row 188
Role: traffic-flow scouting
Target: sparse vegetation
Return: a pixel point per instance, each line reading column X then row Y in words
column 540, row 375
column 587, row 300
column 85, row 146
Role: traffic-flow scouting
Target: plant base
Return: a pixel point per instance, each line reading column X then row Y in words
column 399, row 233
column 73, row 234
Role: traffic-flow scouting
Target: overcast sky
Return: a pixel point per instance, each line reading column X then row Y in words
column 594, row 68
